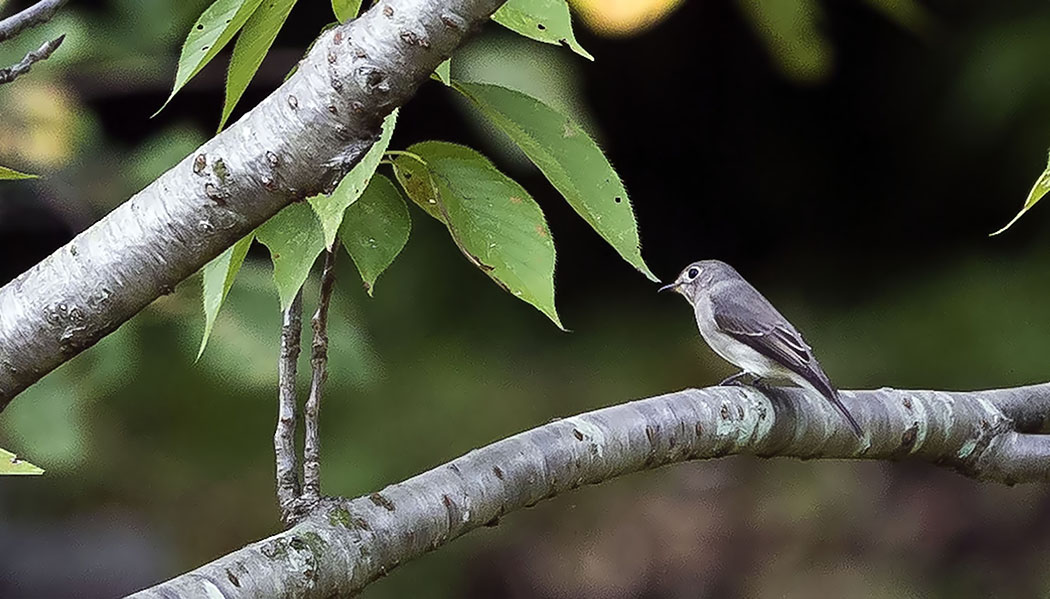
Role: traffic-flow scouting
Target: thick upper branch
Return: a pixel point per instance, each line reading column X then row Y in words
column 345, row 544
column 297, row 142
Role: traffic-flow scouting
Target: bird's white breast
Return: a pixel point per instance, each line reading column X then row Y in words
column 730, row 349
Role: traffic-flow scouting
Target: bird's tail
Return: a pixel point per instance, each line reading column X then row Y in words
column 824, row 387
column 833, row 397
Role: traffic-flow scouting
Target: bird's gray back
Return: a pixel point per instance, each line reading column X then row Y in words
column 740, row 311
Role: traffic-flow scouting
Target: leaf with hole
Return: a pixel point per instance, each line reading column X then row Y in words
column 1040, row 189
column 330, row 208
column 346, row 9
column 570, row 160
column 546, row 21
column 13, row 175
column 295, row 240
column 252, row 45
column 12, row 464
column 375, row 229
column 213, row 30
column 218, row 276
column 495, row 223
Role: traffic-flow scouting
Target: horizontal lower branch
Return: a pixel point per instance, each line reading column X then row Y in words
column 345, row 544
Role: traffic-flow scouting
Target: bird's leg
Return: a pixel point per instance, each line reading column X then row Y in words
column 735, row 379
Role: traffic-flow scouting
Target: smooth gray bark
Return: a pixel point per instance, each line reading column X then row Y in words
column 297, row 142
column 344, row 544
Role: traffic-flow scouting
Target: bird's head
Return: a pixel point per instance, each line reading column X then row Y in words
column 699, row 277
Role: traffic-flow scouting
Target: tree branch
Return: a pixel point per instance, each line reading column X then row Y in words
column 284, row 436
column 319, row 371
column 343, row 545
column 23, row 66
column 297, row 142
column 41, row 12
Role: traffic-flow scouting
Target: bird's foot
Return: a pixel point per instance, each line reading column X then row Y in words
column 735, row 380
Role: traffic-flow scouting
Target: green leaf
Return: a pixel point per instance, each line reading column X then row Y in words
column 252, row 45
column 330, row 208
column 542, row 20
column 295, row 239
column 570, row 160
column 218, row 278
column 12, row 464
column 375, row 229
column 443, row 72
column 213, row 30
column 1040, row 189
column 415, row 179
column 346, row 9
column 493, row 220
column 11, row 174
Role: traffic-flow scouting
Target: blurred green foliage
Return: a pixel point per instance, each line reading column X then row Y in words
column 11, row 174
column 790, row 29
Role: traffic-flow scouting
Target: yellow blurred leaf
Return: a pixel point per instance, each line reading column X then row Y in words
column 38, row 125
column 622, row 17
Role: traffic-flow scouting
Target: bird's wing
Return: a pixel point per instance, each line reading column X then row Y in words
column 743, row 313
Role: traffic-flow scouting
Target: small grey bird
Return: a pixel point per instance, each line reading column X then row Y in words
column 744, row 328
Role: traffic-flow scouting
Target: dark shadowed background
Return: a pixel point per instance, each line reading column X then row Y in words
column 848, row 158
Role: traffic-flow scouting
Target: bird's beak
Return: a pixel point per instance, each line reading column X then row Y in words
column 672, row 287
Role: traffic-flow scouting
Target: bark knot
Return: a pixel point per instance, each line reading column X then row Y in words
column 379, row 500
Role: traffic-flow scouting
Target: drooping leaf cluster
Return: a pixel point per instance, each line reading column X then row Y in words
column 493, row 220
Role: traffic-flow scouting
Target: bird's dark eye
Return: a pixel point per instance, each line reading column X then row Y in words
column 693, row 272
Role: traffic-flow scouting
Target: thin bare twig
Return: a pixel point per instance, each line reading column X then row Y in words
column 319, row 365
column 41, row 12
column 22, row 67
column 284, row 437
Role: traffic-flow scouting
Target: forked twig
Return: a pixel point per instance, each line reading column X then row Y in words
column 319, row 367
column 284, row 438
